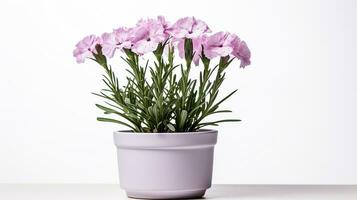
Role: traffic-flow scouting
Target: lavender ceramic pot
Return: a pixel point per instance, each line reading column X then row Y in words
column 165, row 165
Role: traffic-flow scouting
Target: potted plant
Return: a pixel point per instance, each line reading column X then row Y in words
column 166, row 153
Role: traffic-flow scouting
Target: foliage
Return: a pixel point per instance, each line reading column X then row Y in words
column 170, row 102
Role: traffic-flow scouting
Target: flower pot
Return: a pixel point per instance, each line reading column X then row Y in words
column 165, row 165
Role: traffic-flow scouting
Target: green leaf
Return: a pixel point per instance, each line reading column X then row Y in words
column 102, row 119
column 183, row 117
column 127, row 100
column 160, row 99
column 107, row 110
column 171, row 127
column 219, row 121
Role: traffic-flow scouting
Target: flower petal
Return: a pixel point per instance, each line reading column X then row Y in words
column 144, row 46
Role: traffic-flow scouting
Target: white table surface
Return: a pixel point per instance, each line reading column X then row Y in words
column 219, row 192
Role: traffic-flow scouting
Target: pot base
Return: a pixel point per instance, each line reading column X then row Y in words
column 173, row 194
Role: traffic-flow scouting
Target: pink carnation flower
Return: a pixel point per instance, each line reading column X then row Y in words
column 189, row 27
column 218, row 44
column 85, row 48
column 118, row 39
column 224, row 44
column 165, row 24
column 241, row 51
column 146, row 36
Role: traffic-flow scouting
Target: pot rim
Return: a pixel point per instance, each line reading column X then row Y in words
column 199, row 131
column 205, row 138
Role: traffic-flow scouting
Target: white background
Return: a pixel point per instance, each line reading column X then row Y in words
column 297, row 100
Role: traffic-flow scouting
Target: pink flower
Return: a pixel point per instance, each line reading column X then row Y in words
column 218, row 44
column 197, row 48
column 189, row 27
column 241, row 51
column 165, row 24
column 146, row 36
column 85, row 48
column 223, row 44
column 118, row 39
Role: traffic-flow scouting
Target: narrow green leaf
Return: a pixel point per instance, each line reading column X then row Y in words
column 219, row 121
column 171, row 127
column 183, row 117
column 114, row 121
